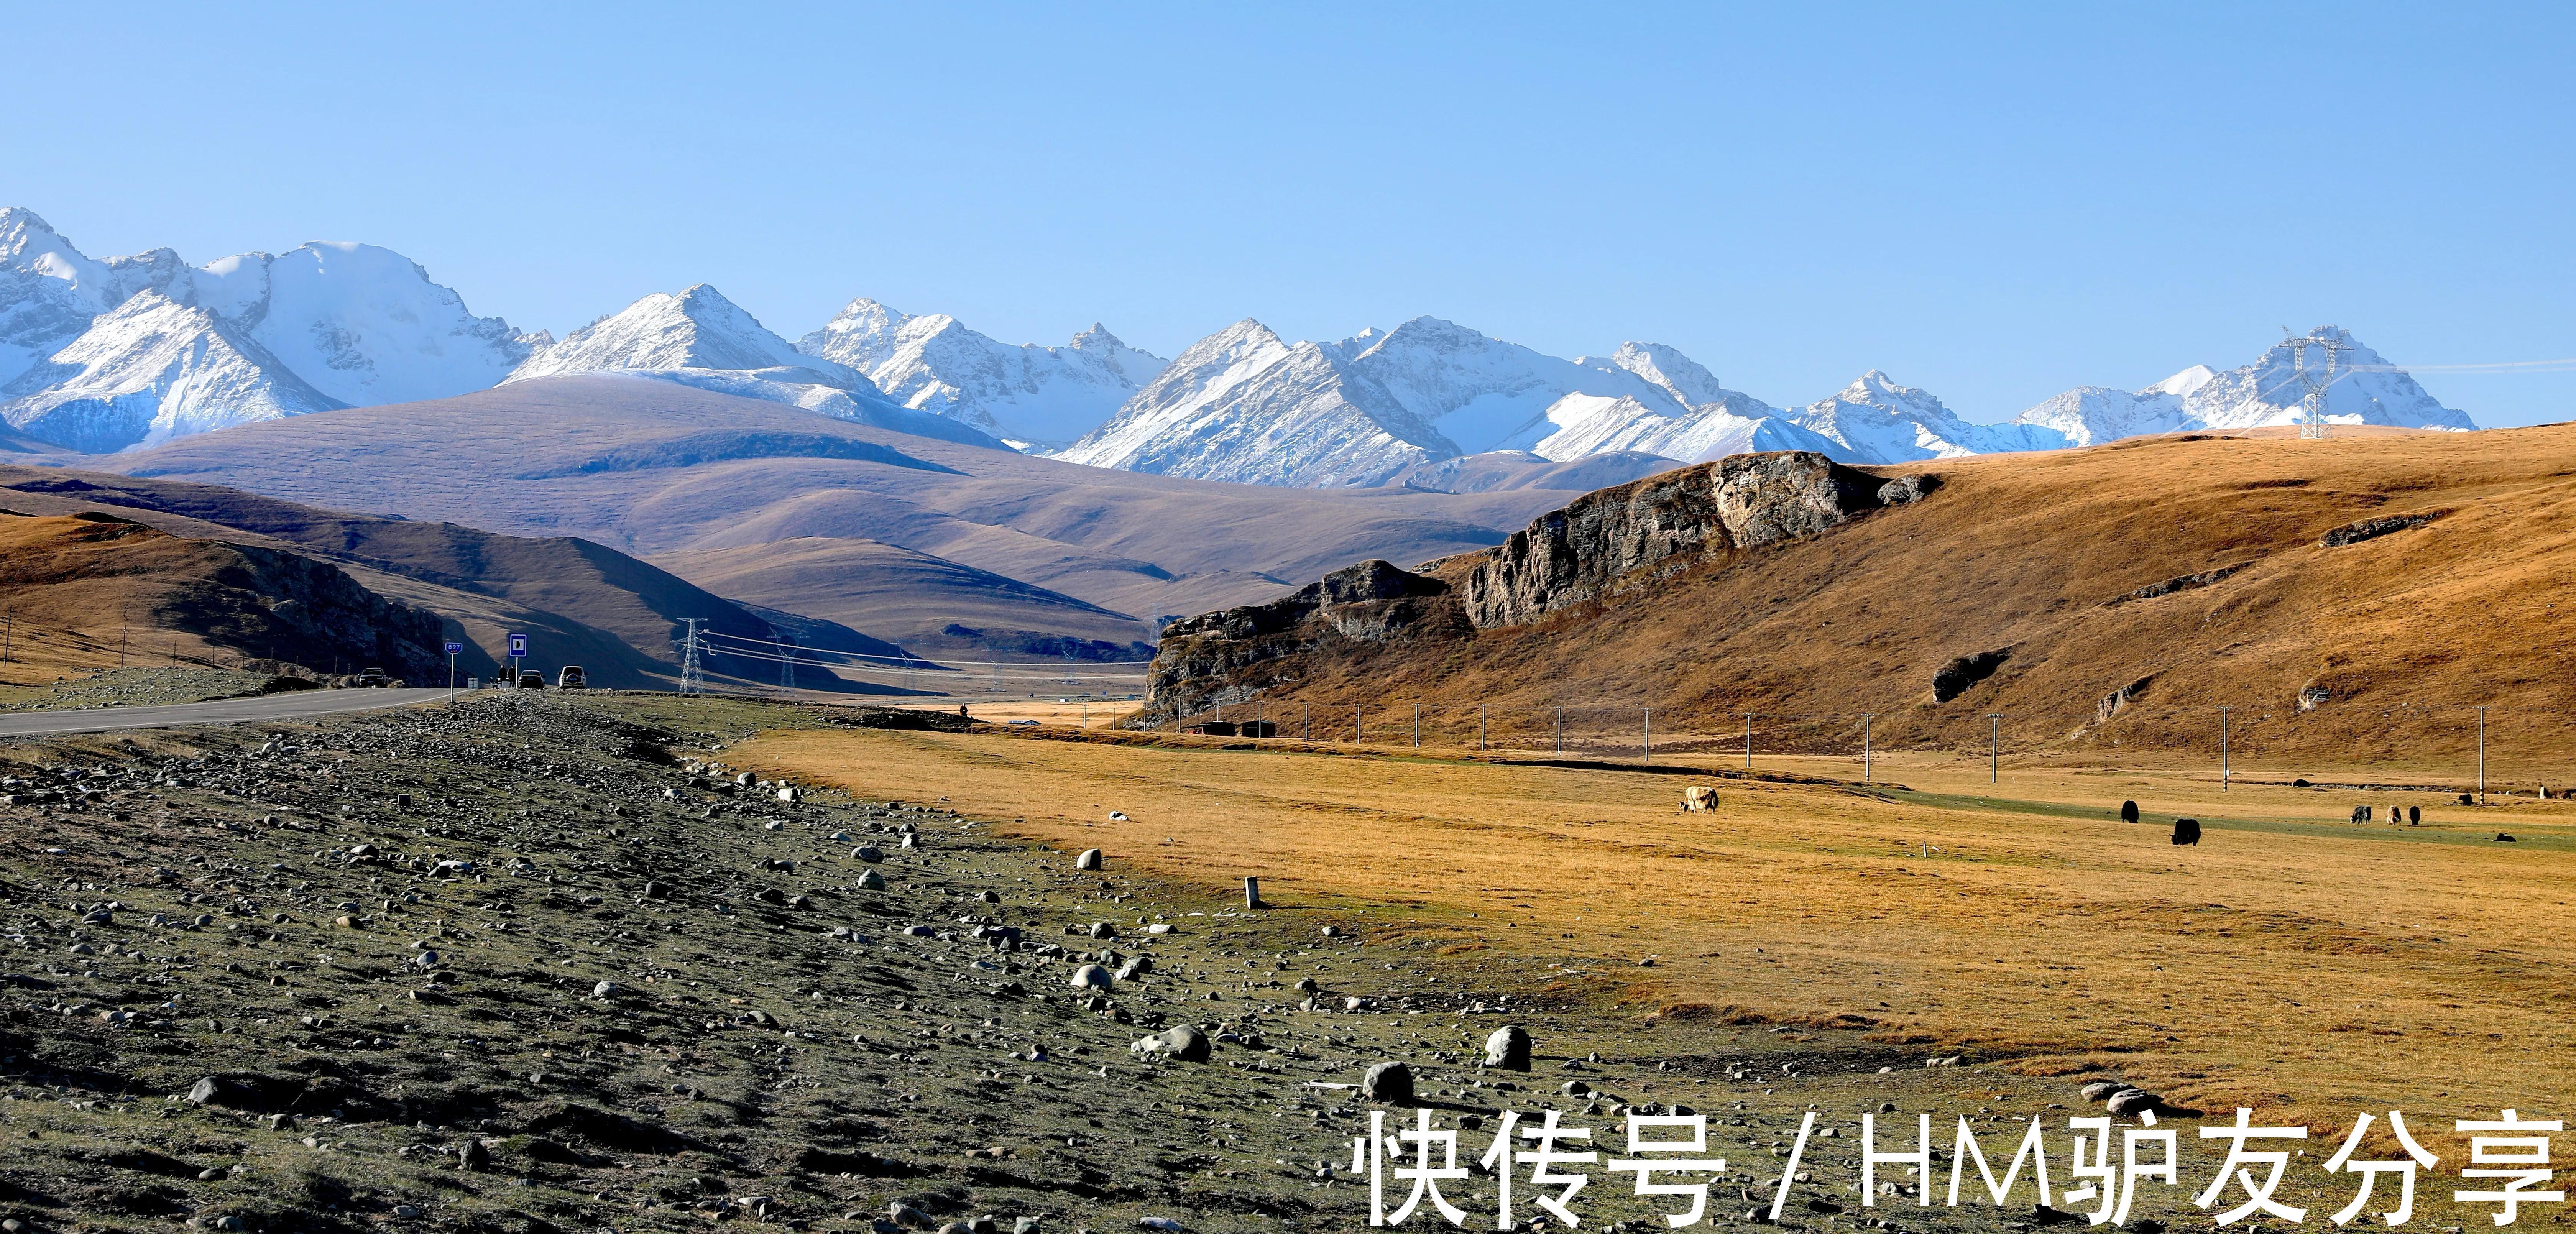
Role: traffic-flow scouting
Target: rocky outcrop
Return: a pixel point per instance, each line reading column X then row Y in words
column 1666, row 523
column 1214, row 658
column 1603, row 543
column 2372, row 529
column 1957, row 676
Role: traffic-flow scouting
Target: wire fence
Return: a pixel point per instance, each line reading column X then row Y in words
column 2447, row 741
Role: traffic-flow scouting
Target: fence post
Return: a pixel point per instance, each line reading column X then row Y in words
column 2482, row 756
column 2223, row 771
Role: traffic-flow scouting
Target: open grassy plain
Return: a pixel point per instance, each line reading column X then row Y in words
column 2292, row 961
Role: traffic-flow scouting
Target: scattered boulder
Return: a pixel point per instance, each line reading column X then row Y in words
column 1091, row 977
column 1508, row 1047
column 1181, row 1042
column 1089, row 860
column 2101, row 1090
column 1390, row 1082
column 872, row 881
column 216, row 1091
column 2133, row 1101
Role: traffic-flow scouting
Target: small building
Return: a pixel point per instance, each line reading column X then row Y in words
column 1230, row 728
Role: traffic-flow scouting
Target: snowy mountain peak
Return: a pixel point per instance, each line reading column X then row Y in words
column 1668, row 369
column 2184, row 382
column 695, row 329
column 1036, row 397
column 151, row 370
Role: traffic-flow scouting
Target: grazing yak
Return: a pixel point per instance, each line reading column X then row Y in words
column 2187, row 831
column 1699, row 799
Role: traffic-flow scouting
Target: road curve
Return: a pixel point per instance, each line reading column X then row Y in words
column 298, row 705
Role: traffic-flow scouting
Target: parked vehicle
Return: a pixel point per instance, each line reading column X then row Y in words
column 531, row 679
column 571, row 679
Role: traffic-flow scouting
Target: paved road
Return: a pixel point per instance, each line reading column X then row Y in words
column 299, row 705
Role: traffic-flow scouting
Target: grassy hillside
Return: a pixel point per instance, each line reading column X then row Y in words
column 2132, row 590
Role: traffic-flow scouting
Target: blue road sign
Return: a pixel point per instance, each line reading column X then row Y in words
column 455, row 648
column 518, row 645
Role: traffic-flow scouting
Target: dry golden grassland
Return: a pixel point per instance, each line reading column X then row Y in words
column 2291, row 960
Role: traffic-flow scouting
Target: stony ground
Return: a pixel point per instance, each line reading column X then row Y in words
column 535, row 963
column 130, row 687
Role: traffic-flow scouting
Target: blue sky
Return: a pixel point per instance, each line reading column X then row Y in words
column 1994, row 202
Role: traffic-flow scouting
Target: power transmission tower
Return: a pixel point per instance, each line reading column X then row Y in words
column 692, row 677
column 2312, row 404
column 786, row 666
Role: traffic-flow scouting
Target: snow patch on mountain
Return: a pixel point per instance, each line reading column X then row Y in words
column 1041, row 397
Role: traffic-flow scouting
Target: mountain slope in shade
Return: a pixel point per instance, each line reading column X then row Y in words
column 150, row 371
column 1039, row 396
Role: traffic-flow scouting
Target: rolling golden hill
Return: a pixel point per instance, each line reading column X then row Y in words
column 2351, row 601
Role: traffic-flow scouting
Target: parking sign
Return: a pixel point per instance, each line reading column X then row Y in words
column 518, row 645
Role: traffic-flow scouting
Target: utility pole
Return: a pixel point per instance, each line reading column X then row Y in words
column 1748, row 741
column 1647, row 756
column 8, row 633
column 2312, row 404
column 2482, row 756
column 1560, row 730
column 1417, row 726
column 2223, row 772
column 1995, row 750
column 1306, row 726
column 1359, row 734
column 692, row 675
column 1480, row 726
column 1865, row 718
column 786, row 666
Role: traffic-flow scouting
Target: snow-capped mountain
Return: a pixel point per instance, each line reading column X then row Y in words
column 1244, row 404
column 1875, row 420
column 698, row 338
column 1032, row 396
column 2365, row 389
column 695, row 329
column 131, row 351
column 1590, row 424
column 151, row 370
